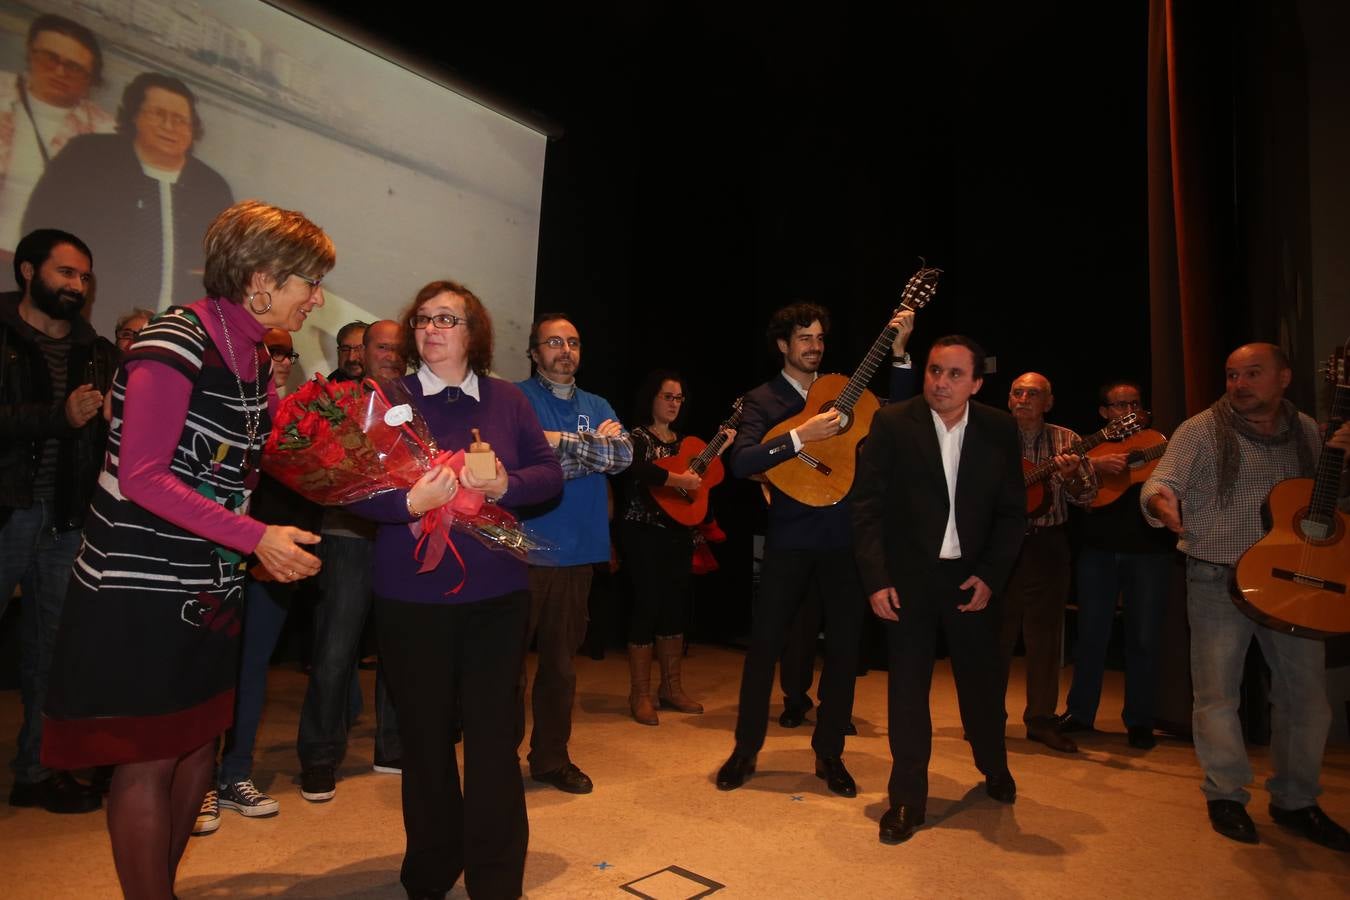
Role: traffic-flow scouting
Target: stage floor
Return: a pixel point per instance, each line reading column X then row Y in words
column 1109, row 821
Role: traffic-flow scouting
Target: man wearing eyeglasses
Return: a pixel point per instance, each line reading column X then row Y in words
column 43, row 108
column 1121, row 556
column 282, row 350
column 590, row 443
column 1032, row 605
column 140, row 196
column 351, row 350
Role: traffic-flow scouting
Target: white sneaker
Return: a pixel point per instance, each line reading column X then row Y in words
column 247, row 800
column 208, row 820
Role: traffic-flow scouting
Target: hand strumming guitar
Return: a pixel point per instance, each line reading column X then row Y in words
column 819, row 427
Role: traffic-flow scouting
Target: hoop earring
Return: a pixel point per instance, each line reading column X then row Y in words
column 266, row 309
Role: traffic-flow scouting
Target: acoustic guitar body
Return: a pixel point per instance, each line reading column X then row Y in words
column 1294, row 579
column 1110, row 488
column 1038, row 492
column 822, row 474
column 687, row 507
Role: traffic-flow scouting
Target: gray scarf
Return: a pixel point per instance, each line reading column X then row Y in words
column 1228, row 425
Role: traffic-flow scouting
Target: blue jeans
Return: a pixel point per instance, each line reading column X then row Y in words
column 266, row 604
column 339, row 617
column 39, row 560
column 1143, row 580
column 1301, row 718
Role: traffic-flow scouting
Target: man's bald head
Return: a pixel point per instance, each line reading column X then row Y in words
column 1030, row 399
column 384, row 350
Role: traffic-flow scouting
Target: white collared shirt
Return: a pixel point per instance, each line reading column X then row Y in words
column 949, row 445
column 433, row 385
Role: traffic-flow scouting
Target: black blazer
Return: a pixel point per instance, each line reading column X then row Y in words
column 900, row 497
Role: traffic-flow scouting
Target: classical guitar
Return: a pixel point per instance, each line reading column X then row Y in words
column 821, row 474
column 1039, row 496
column 1142, row 451
column 1294, row 579
column 691, row 507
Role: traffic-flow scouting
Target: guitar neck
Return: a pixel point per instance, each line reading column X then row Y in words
column 1331, row 463
column 862, row 376
column 699, row 463
column 1078, row 448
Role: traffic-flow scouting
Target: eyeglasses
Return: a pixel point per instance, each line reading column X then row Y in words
column 312, row 282
column 1124, row 404
column 128, row 334
column 55, row 62
column 672, row 398
column 350, row 348
column 176, row 121
column 279, row 355
column 556, row 343
column 441, row 320
column 1030, row 393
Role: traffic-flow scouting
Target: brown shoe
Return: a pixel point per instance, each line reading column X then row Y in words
column 670, row 653
column 640, row 676
column 1044, row 731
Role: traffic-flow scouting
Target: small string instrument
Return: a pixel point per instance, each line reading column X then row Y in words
column 1142, row 451
column 690, row 507
column 1039, row 495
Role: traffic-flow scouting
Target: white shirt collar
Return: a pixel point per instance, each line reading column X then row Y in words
column 800, row 388
column 433, row 385
column 942, row 426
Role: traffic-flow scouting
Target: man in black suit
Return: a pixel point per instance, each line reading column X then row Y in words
column 939, row 509
column 806, row 547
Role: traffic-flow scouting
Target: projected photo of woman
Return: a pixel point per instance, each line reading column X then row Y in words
column 139, row 198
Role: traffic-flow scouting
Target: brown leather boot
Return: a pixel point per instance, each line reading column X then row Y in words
column 670, row 652
column 640, row 675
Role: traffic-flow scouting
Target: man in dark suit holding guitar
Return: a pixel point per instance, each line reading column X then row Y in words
column 939, row 509
column 1208, row 488
column 804, row 545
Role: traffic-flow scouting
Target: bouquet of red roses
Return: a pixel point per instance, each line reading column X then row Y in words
column 339, row 442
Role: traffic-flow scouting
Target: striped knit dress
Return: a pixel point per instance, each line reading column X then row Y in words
column 146, row 656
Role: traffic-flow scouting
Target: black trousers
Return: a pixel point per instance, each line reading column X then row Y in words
column 797, row 665
column 785, row 580
column 658, row 562
column 972, row 638
column 434, row 653
column 1033, row 606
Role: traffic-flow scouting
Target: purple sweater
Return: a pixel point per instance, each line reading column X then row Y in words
column 506, row 421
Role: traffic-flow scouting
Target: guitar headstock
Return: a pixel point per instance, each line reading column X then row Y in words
column 920, row 288
column 1336, row 367
column 737, row 408
column 1123, row 427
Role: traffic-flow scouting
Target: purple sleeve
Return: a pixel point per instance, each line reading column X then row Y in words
column 153, row 414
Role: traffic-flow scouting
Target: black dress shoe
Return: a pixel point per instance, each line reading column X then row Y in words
column 1001, row 787
column 837, row 779
column 792, row 718
column 899, row 823
column 1067, row 724
column 569, row 779
column 850, row 729
column 1230, row 819
column 1141, row 738
column 58, row 793
column 1044, row 731
column 1314, row 825
column 734, row 772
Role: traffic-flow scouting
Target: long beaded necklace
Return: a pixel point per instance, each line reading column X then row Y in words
column 252, row 416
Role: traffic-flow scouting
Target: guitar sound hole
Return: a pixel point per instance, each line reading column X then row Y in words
column 1317, row 531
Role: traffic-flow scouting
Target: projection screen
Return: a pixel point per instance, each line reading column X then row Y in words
column 413, row 181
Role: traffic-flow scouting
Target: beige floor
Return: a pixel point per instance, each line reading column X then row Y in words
column 1110, row 822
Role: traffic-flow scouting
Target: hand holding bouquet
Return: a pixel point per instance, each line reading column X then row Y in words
column 339, row 442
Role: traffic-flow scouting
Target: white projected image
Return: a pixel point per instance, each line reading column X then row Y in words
column 222, row 101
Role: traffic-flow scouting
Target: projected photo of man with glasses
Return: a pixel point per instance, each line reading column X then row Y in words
column 43, row 108
column 140, row 196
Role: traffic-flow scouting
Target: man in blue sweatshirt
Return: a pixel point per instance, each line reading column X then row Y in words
column 590, row 443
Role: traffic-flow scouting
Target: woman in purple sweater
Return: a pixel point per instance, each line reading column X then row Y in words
column 444, row 650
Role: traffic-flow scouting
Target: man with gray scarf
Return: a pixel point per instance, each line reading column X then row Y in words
column 1208, row 488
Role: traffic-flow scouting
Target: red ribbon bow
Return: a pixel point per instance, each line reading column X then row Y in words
column 433, row 529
